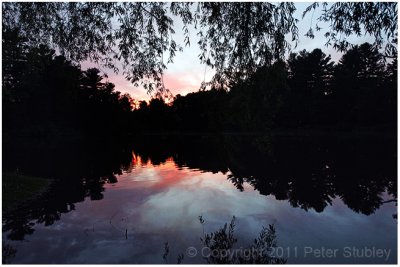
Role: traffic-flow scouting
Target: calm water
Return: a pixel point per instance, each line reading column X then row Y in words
column 121, row 202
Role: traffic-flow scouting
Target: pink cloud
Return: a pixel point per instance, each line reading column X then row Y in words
column 182, row 82
column 125, row 86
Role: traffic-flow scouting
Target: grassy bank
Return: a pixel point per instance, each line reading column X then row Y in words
column 19, row 188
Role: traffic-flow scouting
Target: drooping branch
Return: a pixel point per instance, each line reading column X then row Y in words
column 234, row 38
column 358, row 18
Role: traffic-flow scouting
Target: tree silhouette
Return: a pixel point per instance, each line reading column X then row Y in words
column 257, row 103
column 45, row 93
column 235, row 38
column 91, row 80
column 390, row 92
column 359, row 18
column 310, row 75
column 307, row 91
column 358, row 85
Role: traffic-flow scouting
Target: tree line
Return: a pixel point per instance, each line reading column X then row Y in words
column 308, row 90
column 43, row 93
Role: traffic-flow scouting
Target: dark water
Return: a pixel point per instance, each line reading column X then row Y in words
column 119, row 202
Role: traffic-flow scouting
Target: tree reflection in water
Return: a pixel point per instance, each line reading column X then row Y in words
column 78, row 171
column 308, row 172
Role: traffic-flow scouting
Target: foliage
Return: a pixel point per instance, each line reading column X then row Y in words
column 44, row 92
column 19, row 188
column 361, row 90
column 235, row 38
column 376, row 19
column 241, row 37
column 221, row 244
column 256, row 103
column 307, row 91
column 309, row 75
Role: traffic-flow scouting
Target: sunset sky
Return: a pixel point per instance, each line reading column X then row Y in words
column 186, row 74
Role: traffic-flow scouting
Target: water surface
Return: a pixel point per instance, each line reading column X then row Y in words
column 121, row 202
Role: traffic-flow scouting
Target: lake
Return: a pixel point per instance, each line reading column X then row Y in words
column 332, row 198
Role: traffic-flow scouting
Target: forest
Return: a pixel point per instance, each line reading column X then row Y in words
column 44, row 94
column 259, row 84
column 307, row 91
